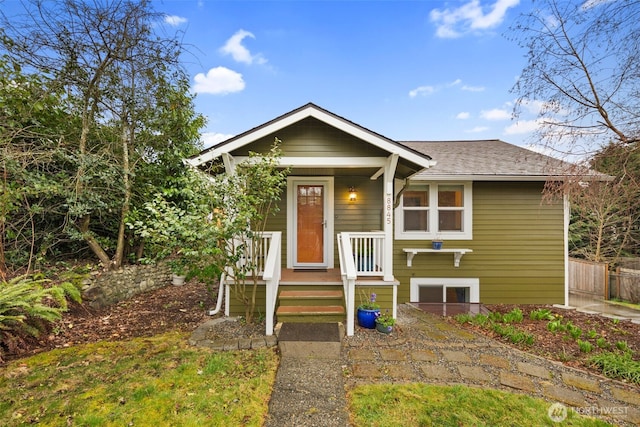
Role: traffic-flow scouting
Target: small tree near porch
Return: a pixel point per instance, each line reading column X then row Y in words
column 245, row 199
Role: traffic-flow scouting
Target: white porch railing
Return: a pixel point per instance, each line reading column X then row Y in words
column 362, row 254
column 261, row 251
column 271, row 274
column 268, row 264
column 349, row 275
column 368, row 253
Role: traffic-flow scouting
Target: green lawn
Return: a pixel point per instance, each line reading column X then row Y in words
column 387, row 405
column 163, row 381
column 142, row 382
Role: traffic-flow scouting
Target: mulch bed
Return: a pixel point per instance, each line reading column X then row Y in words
column 560, row 346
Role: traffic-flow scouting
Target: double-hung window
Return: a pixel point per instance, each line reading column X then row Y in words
column 428, row 210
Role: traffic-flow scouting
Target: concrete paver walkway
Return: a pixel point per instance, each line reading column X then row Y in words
column 590, row 305
column 426, row 348
column 308, row 393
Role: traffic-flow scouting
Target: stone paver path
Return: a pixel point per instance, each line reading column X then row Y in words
column 429, row 349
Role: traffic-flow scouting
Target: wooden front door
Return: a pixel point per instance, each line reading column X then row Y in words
column 310, row 223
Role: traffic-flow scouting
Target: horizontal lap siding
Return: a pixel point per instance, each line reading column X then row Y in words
column 312, row 138
column 365, row 214
column 237, row 308
column 518, row 242
column 517, row 248
column 384, row 296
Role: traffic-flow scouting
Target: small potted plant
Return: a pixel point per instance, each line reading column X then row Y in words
column 385, row 322
column 436, row 243
column 368, row 310
column 179, row 267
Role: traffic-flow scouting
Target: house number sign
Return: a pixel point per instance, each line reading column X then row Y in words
column 388, row 207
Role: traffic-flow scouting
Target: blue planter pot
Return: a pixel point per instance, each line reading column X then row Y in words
column 436, row 245
column 367, row 318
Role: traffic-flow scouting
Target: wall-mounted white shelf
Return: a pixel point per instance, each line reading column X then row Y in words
column 457, row 254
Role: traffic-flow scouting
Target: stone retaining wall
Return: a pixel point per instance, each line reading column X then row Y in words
column 109, row 287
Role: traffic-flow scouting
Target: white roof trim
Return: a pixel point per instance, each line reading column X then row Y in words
column 326, row 162
column 303, row 113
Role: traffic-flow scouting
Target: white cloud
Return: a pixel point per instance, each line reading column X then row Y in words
column 452, row 23
column 522, row 126
column 238, row 52
column 174, row 20
column 477, row 129
column 536, row 107
column 463, row 115
column 472, row 88
column 495, row 114
column 422, row 90
column 218, row 81
column 213, row 138
column 532, row 106
column 428, row 89
column 594, row 3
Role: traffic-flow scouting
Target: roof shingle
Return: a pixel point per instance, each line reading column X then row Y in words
column 486, row 158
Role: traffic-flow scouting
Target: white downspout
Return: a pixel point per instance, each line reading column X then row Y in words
column 229, row 166
column 221, row 289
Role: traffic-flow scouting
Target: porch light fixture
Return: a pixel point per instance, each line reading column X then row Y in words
column 352, row 194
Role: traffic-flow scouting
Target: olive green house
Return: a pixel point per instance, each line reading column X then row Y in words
column 361, row 211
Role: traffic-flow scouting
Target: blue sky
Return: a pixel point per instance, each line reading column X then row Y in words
column 410, row 70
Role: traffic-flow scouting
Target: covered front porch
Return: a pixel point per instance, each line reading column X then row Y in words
column 335, row 221
column 319, row 294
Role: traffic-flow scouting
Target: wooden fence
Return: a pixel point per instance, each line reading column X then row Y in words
column 589, row 278
column 625, row 285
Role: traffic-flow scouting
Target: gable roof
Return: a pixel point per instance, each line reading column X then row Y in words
column 486, row 160
column 421, row 159
column 492, row 160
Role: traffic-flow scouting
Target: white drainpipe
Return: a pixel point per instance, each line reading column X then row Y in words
column 220, row 294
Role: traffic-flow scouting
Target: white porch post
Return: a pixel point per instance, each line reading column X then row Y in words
column 229, row 163
column 389, row 173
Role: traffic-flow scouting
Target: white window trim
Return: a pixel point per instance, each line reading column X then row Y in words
column 466, row 234
column 328, row 181
column 418, row 282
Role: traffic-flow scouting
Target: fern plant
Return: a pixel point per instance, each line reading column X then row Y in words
column 26, row 298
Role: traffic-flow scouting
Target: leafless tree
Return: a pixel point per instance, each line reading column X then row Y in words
column 582, row 77
column 582, row 73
